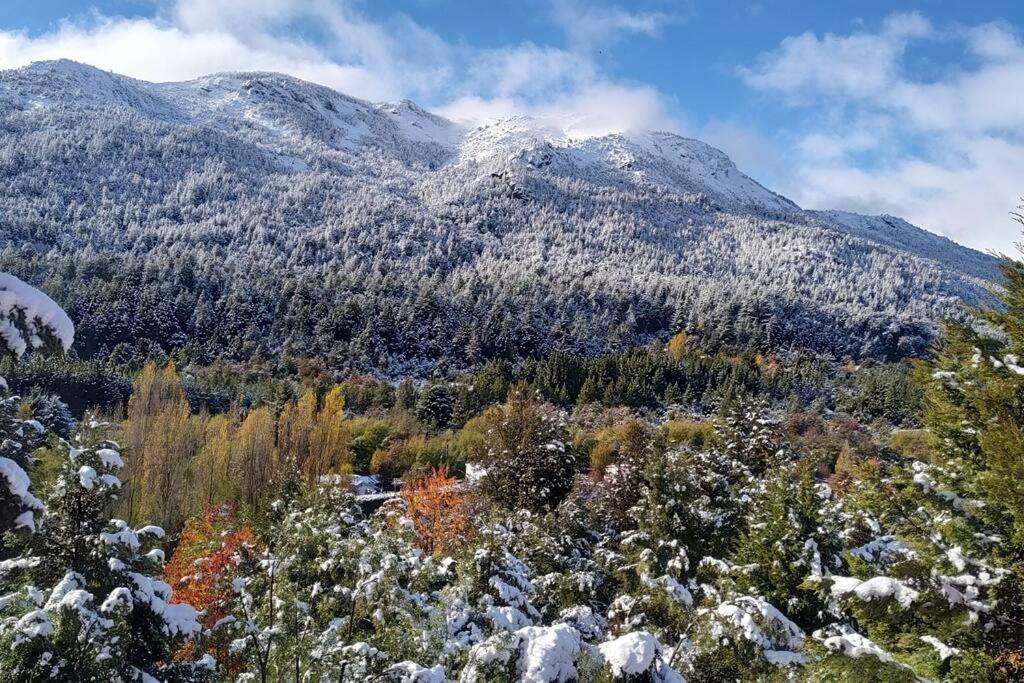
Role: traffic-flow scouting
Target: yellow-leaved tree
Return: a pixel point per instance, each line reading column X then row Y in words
column 330, row 439
column 677, row 346
column 160, row 439
column 295, row 429
column 214, row 478
column 254, row 453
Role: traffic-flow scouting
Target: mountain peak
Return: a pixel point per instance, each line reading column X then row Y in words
column 65, row 66
column 662, row 217
column 287, row 109
column 64, row 72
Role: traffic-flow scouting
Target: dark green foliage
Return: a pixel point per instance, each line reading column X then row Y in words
column 80, row 384
column 696, row 499
column 436, row 405
column 788, row 532
column 18, row 439
column 362, row 393
column 886, row 391
column 94, row 591
column 529, row 462
column 638, row 377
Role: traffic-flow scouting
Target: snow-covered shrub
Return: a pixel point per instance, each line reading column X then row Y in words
column 91, row 604
column 28, row 319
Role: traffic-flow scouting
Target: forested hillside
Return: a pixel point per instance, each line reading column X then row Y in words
column 666, row 514
column 244, row 216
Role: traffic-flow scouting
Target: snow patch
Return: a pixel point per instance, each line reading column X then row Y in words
column 631, row 654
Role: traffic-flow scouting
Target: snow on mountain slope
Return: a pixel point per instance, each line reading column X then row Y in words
column 419, row 125
column 620, row 237
column 684, row 164
column 48, row 83
column 899, row 234
column 285, row 109
column 284, row 113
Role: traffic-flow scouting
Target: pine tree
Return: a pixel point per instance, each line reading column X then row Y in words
column 28, row 320
column 963, row 511
column 529, row 463
column 19, row 507
column 435, row 406
column 791, row 534
column 91, row 606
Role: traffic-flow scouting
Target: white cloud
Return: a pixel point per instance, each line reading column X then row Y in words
column 563, row 86
column 596, row 109
column 153, row 50
column 857, row 65
column 376, row 60
column 969, row 202
column 529, row 71
column 591, row 25
column 995, row 41
column 944, row 153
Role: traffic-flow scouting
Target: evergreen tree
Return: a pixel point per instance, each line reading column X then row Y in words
column 91, row 605
column 28, row 320
column 435, row 406
column 528, row 462
column 791, row 534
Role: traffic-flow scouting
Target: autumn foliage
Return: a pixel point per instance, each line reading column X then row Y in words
column 177, row 462
column 203, row 564
column 439, row 511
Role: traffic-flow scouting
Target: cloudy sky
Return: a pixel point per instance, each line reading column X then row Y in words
column 909, row 108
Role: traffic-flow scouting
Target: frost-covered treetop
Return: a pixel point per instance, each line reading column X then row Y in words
column 28, row 317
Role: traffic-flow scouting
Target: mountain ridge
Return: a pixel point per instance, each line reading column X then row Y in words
column 707, row 155
column 259, row 165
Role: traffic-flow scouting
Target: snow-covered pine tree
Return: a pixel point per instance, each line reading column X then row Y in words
column 81, row 601
column 325, row 594
column 435, row 405
column 529, row 463
column 935, row 585
column 29, row 319
column 90, row 605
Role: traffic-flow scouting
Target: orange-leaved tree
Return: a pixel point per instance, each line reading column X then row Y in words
column 203, row 564
column 440, row 511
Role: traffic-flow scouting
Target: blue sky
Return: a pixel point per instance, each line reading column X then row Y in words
column 909, row 108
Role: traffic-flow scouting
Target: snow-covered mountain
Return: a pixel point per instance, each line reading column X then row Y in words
column 256, row 210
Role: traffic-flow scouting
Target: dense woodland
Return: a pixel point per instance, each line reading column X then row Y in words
column 248, row 216
column 679, row 511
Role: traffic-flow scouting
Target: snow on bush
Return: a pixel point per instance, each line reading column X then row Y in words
column 848, row 642
column 548, row 653
column 876, row 588
column 27, row 316
column 631, row 654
